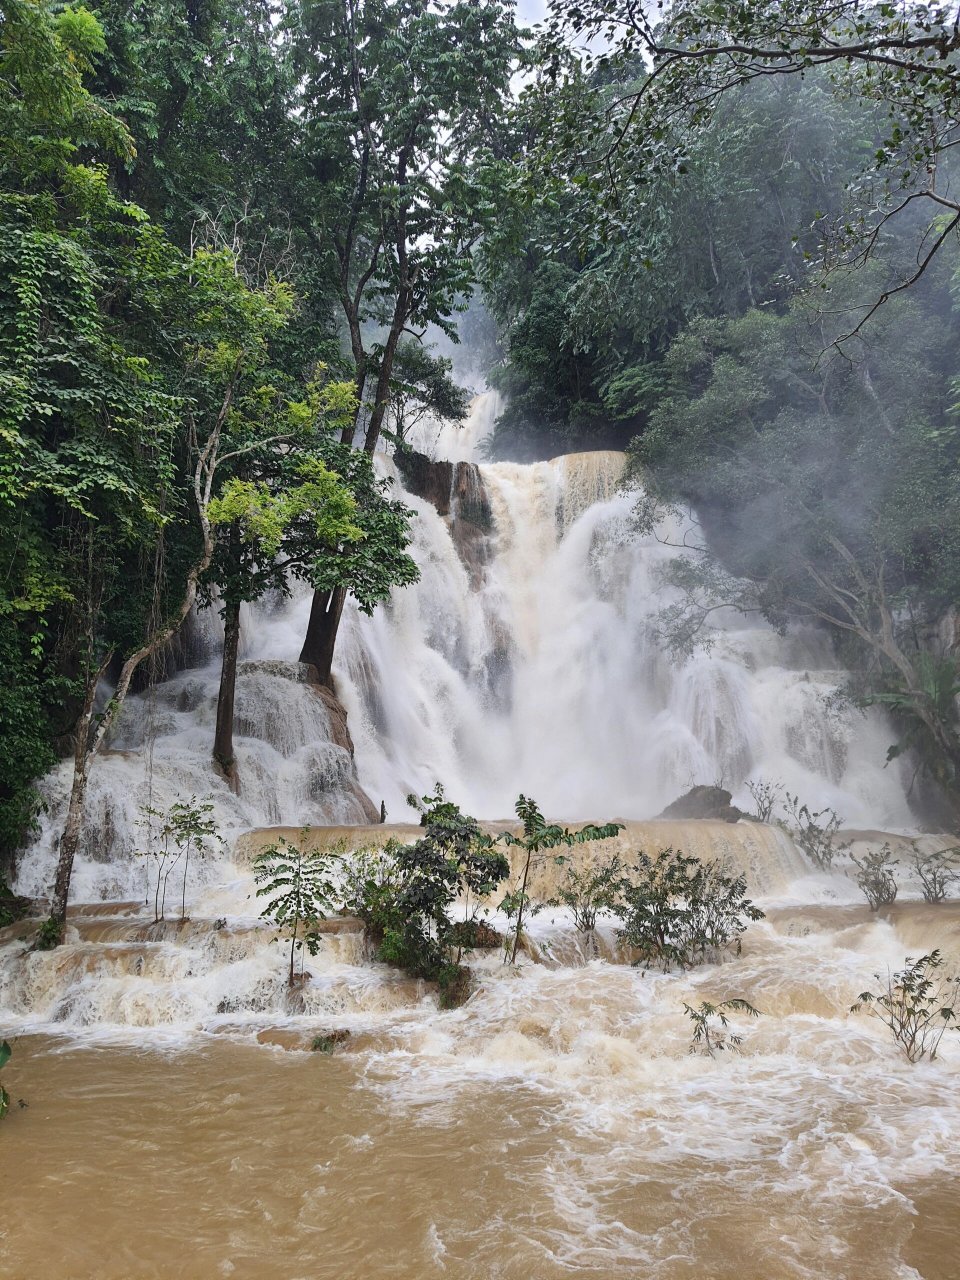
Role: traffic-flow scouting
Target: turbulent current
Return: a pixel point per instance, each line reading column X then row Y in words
column 558, row 1124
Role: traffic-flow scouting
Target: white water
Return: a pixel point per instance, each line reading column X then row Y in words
column 547, row 679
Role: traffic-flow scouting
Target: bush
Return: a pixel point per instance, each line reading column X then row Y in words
column 765, row 796
column 404, row 893
column 815, row 831
column 682, row 912
column 936, row 871
column 594, row 891
column 876, row 878
column 917, row 1004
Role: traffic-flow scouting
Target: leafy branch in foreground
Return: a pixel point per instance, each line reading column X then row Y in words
column 917, row 1004
column 901, row 59
column 710, row 1033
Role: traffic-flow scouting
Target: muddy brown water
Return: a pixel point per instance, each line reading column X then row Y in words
column 227, row 1159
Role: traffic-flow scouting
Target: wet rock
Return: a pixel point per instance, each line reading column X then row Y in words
column 704, row 802
column 460, row 497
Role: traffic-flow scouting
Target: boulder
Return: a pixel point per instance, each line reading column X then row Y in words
column 704, row 802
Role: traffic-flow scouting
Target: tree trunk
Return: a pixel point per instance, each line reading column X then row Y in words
column 321, row 637
column 69, row 843
column 70, row 839
column 223, row 738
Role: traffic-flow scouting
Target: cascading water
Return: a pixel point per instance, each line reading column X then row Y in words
column 558, row 1123
column 530, row 665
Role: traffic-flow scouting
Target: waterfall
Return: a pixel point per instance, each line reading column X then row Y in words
column 525, row 659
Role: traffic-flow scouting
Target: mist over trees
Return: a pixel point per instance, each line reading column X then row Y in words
column 726, row 241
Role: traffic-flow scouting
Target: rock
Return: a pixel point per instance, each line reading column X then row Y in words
column 432, row 481
column 704, row 802
column 458, row 493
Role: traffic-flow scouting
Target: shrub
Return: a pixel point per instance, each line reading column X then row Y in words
column 917, row 1004
column 538, row 836
column 49, row 935
column 876, row 878
column 682, row 912
column 766, row 796
column 404, row 894
column 937, row 871
column 815, row 831
column 710, row 1032
column 328, row 1041
column 594, row 891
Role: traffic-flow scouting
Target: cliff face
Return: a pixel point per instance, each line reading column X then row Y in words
column 457, row 491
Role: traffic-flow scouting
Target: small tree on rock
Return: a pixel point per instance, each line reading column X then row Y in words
column 299, row 889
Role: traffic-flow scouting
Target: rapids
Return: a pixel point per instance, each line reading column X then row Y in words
column 177, row 1123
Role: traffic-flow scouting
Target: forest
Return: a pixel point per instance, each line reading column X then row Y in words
column 238, row 240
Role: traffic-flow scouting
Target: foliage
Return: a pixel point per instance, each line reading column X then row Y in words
column 399, row 106
column 299, row 888
column 900, row 60
column 49, row 935
column 766, row 796
column 680, row 912
column 328, row 1041
column 815, row 831
column 936, row 870
column 917, row 1004
column 710, row 1025
column 404, row 893
column 592, row 891
column 589, row 295
column 537, row 837
column 422, row 389
column 186, row 828
column 12, row 907
column 875, row 876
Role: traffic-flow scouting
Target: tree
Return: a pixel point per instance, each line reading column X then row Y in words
column 422, row 388
column 398, row 104
column 687, row 57
column 538, row 836
column 368, row 568
column 280, row 511
column 589, row 295
column 300, row 890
